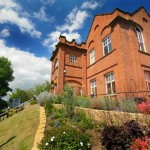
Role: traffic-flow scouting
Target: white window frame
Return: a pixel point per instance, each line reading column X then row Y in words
column 93, row 87
column 92, row 57
column 109, row 79
column 140, row 39
column 107, row 43
column 147, row 80
column 73, row 58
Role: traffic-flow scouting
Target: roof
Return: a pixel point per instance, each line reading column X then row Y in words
column 117, row 9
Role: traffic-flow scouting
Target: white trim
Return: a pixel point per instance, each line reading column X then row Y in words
column 92, row 56
column 140, row 39
column 93, row 87
column 106, row 42
column 73, row 58
column 109, row 79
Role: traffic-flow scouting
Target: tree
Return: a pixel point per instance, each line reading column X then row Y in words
column 23, row 95
column 40, row 88
column 6, row 76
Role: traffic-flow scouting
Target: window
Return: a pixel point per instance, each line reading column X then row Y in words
column 93, row 87
column 56, row 63
column 107, row 45
column 92, row 57
column 147, row 79
column 110, row 83
column 140, row 39
column 73, row 58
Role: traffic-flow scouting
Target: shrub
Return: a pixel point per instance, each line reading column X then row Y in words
column 48, row 107
column 140, row 144
column 128, row 105
column 113, row 137
column 95, row 104
column 68, row 100
column 65, row 139
column 82, row 101
column 86, row 121
column 109, row 104
column 144, row 107
column 32, row 102
column 43, row 97
column 57, row 99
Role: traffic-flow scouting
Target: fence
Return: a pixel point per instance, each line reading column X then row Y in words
column 6, row 114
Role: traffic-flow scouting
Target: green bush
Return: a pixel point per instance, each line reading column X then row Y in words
column 32, row 102
column 65, row 139
column 57, row 99
column 69, row 100
column 85, row 120
column 82, row 101
column 128, row 105
column 48, row 108
column 109, row 104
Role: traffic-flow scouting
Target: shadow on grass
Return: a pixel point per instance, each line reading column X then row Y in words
column 7, row 141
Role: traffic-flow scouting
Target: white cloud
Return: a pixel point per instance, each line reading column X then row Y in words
column 41, row 15
column 11, row 12
column 9, row 4
column 5, row 33
column 53, row 38
column 74, row 21
column 90, row 5
column 48, row 2
column 28, row 69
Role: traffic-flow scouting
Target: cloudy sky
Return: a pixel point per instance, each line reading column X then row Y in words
column 29, row 31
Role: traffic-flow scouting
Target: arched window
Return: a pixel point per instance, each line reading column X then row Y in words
column 56, row 63
column 140, row 39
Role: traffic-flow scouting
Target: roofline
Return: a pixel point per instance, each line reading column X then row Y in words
column 131, row 14
column 63, row 41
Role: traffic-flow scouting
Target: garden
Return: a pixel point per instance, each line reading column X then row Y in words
column 82, row 123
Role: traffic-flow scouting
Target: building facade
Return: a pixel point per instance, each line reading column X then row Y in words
column 115, row 58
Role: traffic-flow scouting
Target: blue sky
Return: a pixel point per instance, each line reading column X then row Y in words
column 29, row 31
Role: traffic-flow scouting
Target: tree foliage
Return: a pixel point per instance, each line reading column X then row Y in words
column 25, row 95
column 6, row 76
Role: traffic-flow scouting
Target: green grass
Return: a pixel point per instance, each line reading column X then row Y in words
column 18, row 131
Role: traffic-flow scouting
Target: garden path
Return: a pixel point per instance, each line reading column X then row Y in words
column 40, row 131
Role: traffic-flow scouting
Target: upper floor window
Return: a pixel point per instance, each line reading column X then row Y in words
column 110, row 83
column 92, row 57
column 56, row 63
column 147, row 79
column 107, row 48
column 140, row 39
column 93, row 87
column 73, row 58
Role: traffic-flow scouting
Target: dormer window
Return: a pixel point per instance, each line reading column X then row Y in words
column 140, row 39
column 73, row 58
column 107, row 48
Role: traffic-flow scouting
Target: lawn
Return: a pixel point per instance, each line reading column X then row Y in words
column 18, row 131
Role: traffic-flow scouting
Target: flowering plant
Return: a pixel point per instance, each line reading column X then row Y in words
column 65, row 138
column 140, row 144
column 144, row 107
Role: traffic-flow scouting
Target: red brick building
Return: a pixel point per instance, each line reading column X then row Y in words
column 114, row 59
